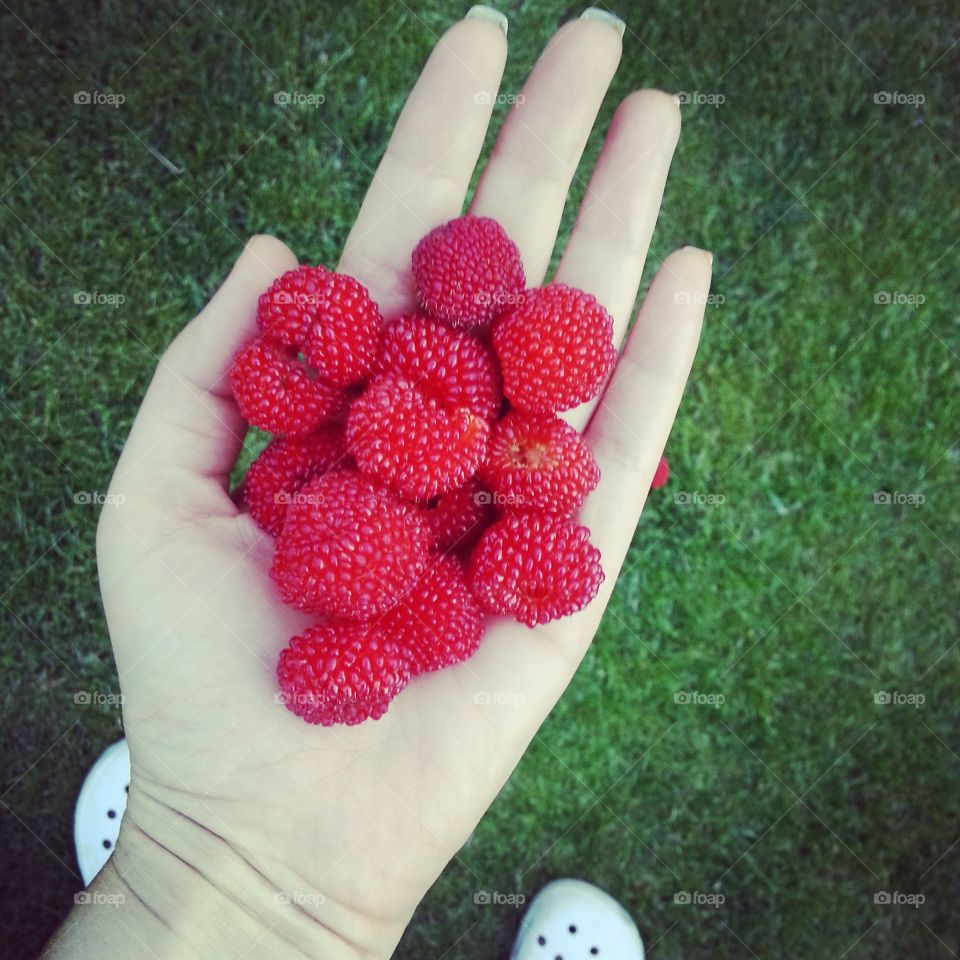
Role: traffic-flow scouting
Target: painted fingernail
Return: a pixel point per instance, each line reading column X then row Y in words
column 481, row 12
column 605, row 16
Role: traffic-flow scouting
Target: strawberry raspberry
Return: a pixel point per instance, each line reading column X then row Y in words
column 276, row 393
column 662, row 474
column 286, row 310
column 438, row 623
column 460, row 516
column 555, row 349
column 341, row 672
column 535, row 566
column 449, row 366
column 467, row 271
column 411, row 443
column 348, row 547
column 283, row 467
column 537, row 462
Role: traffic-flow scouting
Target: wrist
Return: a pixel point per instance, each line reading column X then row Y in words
column 172, row 887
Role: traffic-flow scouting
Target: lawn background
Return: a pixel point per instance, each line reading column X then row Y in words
column 780, row 586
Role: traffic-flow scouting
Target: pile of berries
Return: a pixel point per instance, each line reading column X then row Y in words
column 419, row 479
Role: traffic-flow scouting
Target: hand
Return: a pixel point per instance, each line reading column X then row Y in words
column 247, row 830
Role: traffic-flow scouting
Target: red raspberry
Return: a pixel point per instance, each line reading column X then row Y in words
column 344, row 337
column 535, row 566
column 555, row 349
column 466, row 271
column 348, row 547
column 438, row 623
column 410, row 442
column 341, row 672
column 537, row 462
column 662, row 475
column 283, row 467
column 286, row 310
column 449, row 366
column 276, row 393
column 460, row 516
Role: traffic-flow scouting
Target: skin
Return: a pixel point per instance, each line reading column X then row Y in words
column 249, row 833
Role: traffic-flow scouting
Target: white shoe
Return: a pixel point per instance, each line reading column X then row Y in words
column 100, row 806
column 574, row 920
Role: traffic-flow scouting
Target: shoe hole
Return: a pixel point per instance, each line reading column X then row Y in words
column 594, row 950
column 107, row 844
column 542, row 941
column 572, row 928
column 112, row 814
column 558, row 957
column 126, row 789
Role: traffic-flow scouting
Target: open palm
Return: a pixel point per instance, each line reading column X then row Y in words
column 345, row 828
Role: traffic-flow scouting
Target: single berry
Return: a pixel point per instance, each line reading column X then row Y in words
column 344, row 335
column 450, row 366
column 460, row 516
column 341, row 672
column 283, row 467
column 286, row 310
column 276, row 392
column 415, row 446
column 555, row 349
column 662, row 474
column 537, row 462
column 536, row 567
column 467, row 271
column 348, row 547
column 438, row 623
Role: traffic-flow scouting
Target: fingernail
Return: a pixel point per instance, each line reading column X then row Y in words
column 605, row 16
column 481, row 12
column 706, row 253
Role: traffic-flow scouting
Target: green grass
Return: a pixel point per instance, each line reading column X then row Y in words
column 796, row 598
